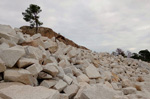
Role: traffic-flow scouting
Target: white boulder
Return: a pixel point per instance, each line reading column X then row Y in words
column 11, row 55
column 28, row 92
column 19, row 75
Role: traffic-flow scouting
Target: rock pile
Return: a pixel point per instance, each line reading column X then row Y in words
column 36, row 67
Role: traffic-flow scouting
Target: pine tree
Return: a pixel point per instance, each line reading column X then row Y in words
column 31, row 15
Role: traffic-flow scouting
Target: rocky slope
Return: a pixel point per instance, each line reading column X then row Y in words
column 37, row 67
column 50, row 33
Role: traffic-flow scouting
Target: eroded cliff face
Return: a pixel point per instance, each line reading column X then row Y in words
column 47, row 32
column 40, row 67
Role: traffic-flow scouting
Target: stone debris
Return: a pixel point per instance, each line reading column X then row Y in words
column 49, row 69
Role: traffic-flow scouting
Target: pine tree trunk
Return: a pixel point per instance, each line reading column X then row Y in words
column 36, row 28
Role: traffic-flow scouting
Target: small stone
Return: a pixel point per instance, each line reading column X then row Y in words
column 48, row 83
column 33, row 52
column 24, row 62
column 76, row 72
column 71, row 90
column 126, row 83
column 61, row 72
column 96, row 63
column 92, row 81
column 92, row 72
column 21, row 38
column 43, row 75
column 129, row 90
column 67, row 70
column 51, row 69
column 72, row 53
column 35, row 69
column 115, row 86
column 83, row 78
column 108, row 84
column 67, row 79
column 37, row 35
column 83, row 86
column 64, row 96
column 99, row 91
column 64, row 63
column 60, row 85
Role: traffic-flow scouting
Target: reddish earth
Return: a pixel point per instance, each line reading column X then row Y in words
column 50, row 33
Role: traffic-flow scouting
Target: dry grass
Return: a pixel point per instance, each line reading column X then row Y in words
column 140, row 79
column 138, row 87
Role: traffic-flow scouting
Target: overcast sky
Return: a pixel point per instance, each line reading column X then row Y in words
column 100, row 25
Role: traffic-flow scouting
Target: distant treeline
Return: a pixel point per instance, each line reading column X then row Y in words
column 143, row 55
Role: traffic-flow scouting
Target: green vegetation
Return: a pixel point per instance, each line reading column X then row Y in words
column 143, row 55
column 31, row 15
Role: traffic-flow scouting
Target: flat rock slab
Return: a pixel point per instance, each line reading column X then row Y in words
column 28, row 92
column 19, row 75
column 7, row 84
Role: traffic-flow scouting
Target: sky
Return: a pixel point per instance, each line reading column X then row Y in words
column 100, row 25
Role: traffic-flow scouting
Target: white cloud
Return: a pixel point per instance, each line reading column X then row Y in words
column 101, row 25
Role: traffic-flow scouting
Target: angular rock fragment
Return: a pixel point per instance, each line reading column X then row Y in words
column 97, row 92
column 67, row 79
column 83, row 78
column 129, row 90
column 51, row 69
column 60, row 85
column 48, row 83
column 92, row 72
column 28, row 92
column 19, row 75
column 33, row 52
column 35, row 69
column 43, row 75
column 24, row 62
column 11, row 55
column 71, row 90
column 64, row 96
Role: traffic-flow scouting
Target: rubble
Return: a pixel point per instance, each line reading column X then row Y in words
column 54, row 70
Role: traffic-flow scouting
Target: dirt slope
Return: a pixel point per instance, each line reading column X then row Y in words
column 50, row 33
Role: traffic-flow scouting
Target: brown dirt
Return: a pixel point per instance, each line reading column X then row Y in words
column 50, row 33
